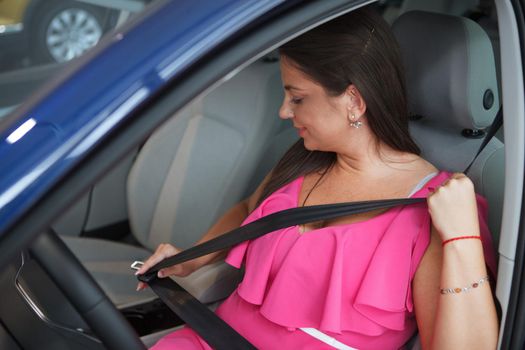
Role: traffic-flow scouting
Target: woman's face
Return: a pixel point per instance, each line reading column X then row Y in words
column 320, row 119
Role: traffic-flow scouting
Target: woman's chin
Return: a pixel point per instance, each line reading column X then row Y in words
column 310, row 146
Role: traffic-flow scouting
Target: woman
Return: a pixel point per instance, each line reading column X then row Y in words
column 371, row 279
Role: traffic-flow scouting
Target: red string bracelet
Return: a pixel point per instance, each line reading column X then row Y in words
column 458, row 238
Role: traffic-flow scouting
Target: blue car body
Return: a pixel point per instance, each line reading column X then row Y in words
column 45, row 138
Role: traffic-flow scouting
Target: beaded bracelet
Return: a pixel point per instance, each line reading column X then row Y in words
column 458, row 238
column 464, row 289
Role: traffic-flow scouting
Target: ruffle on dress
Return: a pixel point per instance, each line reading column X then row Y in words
column 353, row 277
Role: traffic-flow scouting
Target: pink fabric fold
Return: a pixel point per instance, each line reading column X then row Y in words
column 355, row 277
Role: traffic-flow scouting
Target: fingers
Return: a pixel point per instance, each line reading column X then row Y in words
column 141, row 286
column 457, row 181
column 177, row 270
column 162, row 252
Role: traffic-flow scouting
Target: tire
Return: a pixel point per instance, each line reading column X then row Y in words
column 64, row 30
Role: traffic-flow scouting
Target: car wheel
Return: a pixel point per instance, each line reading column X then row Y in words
column 65, row 30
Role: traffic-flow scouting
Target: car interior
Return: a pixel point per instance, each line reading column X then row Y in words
column 215, row 151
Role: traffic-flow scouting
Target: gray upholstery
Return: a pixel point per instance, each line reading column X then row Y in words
column 451, row 89
column 108, row 197
column 450, row 67
column 105, row 205
column 213, row 149
column 151, row 339
column 188, row 173
column 71, row 222
column 488, row 173
column 276, row 148
column 452, row 7
column 109, row 263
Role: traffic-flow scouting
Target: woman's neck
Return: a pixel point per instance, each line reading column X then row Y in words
column 373, row 161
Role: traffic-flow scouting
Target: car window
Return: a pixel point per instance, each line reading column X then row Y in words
column 39, row 37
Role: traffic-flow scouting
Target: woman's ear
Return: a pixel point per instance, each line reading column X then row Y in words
column 356, row 104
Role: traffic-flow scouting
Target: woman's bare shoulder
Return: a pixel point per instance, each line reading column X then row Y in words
column 426, row 165
column 420, row 167
column 409, row 174
column 423, row 167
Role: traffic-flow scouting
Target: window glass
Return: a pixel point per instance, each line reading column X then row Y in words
column 39, row 37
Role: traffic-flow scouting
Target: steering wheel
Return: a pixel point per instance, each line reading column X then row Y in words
column 84, row 293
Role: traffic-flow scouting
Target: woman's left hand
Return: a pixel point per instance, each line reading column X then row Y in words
column 453, row 208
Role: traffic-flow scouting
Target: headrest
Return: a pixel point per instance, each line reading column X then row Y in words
column 450, row 69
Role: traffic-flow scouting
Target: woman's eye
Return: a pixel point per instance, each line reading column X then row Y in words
column 296, row 100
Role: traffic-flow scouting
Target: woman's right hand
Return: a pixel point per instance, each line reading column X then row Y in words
column 165, row 250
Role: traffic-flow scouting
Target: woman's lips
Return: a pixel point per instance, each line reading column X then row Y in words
column 301, row 131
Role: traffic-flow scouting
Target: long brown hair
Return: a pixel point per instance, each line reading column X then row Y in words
column 360, row 49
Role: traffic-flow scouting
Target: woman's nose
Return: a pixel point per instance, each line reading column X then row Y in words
column 285, row 112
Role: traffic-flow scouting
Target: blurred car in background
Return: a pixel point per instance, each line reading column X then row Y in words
column 38, row 36
column 51, row 31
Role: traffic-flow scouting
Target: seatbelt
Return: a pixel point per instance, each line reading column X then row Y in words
column 273, row 222
column 217, row 333
column 494, row 127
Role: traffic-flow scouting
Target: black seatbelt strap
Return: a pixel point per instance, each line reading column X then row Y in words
column 494, row 127
column 273, row 222
column 217, row 333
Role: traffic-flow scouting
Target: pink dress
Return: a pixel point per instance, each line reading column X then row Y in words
column 351, row 281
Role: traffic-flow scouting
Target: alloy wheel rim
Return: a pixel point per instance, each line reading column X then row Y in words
column 70, row 33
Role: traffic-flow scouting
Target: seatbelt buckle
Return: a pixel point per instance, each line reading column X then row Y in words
column 136, row 265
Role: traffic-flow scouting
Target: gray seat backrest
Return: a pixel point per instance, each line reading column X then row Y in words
column 454, row 7
column 452, row 89
column 274, row 150
column 199, row 163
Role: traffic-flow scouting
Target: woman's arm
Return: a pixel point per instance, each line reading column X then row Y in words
column 465, row 320
column 229, row 221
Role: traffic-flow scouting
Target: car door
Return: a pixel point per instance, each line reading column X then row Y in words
column 511, row 281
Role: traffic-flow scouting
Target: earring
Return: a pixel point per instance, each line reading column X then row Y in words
column 354, row 123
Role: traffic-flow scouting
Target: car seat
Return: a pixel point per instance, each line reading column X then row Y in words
column 456, row 8
column 453, row 96
column 188, row 173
